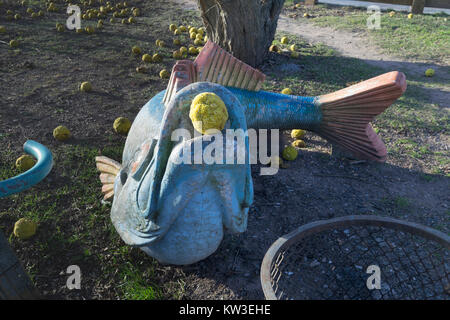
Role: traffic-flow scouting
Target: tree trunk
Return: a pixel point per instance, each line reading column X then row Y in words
column 245, row 28
column 417, row 6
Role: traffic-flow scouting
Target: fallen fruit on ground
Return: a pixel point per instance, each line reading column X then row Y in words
column 25, row 228
column 284, row 40
column 429, row 72
column 86, row 86
column 157, row 57
column 176, row 42
column 164, row 74
column 172, row 27
column 274, row 48
column 289, row 153
column 410, row 16
column 122, row 125
column 299, row 144
column 90, row 29
column 141, row 70
column 177, row 54
column 297, row 133
column 61, row 133
column 193, row 51
column 136, row 50
column 14, row 43
column 208, row 111
column 25, row 162
column 286, row 91
column 147, row 58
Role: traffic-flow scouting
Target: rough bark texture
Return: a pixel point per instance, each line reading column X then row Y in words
column 417, row 6
column 245, row 28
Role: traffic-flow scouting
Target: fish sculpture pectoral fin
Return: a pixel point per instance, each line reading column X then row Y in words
column 109, row 169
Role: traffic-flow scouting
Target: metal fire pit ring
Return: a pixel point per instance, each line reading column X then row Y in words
column 330, row 259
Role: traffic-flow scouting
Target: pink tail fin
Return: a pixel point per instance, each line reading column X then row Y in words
column 347, row 113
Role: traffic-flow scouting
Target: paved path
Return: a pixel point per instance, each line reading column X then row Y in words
column 383, row 6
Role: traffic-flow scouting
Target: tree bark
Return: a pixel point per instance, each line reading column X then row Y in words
column 245, row 28
column 417, row 6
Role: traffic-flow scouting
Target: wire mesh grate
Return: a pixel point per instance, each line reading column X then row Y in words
column 333, row 264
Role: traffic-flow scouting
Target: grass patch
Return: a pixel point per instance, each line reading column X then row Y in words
column 135, row 287
column 424, row 37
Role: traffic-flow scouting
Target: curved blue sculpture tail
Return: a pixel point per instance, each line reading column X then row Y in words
column 34, row 175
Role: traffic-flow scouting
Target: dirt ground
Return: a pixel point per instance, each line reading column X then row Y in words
column 39, row 90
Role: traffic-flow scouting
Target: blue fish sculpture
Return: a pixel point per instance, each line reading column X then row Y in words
column 178, row 212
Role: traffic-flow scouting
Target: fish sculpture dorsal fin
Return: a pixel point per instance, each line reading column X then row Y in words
column 215, row 65
column 183, row 74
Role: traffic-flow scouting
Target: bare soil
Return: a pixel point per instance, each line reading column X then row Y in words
column 39, row 90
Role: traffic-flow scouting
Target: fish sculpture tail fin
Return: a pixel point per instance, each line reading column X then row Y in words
column 346, row 114
column 109, row 169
